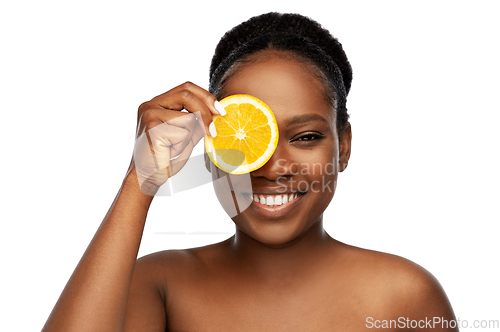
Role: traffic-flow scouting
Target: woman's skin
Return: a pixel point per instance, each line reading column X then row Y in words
column 280, row 271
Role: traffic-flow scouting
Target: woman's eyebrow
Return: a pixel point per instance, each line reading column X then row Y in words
column 305, row 118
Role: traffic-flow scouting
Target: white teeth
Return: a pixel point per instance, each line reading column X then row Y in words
column 273, row 200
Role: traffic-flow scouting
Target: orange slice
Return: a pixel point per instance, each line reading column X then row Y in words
column 246, row 136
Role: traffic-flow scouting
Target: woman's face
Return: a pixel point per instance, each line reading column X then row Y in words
column 306, row 160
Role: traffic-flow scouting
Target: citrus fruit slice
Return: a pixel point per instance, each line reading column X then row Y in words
column 246, row 136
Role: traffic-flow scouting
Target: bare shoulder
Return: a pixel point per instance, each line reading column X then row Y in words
column 399, row 287
column 388, row 269
column 180, row 261
column 148, row 297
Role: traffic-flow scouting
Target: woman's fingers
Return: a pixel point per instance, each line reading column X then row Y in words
column 184, row 100
column 210, row 101
column 177, row 164
column 182, row 156
column 180, row 132
column 190, row 97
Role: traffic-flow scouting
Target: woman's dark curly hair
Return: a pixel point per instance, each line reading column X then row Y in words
column 298, row 35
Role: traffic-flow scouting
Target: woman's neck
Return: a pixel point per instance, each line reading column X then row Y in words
column 288, row 260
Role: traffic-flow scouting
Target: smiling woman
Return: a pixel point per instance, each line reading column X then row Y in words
column 281, row 271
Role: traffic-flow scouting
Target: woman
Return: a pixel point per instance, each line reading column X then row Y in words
column 280, row 271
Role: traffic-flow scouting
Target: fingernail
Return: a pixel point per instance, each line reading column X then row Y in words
column 219, row 108
column 211, row 129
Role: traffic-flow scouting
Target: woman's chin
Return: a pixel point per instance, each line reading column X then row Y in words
column 274, row 235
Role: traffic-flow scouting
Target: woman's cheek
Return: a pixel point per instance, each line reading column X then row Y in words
column 317, row 173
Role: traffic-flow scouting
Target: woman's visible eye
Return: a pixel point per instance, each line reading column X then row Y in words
column 308, row 137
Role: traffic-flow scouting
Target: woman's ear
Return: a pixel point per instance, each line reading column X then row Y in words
column 345, row 147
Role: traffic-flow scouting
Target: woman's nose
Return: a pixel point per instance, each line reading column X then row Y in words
column 279, row 165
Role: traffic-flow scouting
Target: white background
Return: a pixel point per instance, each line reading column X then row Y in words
column 423, row 178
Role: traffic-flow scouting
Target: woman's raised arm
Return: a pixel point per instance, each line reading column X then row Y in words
column 95, row 297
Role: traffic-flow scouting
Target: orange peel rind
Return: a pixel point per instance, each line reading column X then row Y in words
column 247, row 135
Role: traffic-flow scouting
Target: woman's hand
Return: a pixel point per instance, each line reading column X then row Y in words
column 168, row 128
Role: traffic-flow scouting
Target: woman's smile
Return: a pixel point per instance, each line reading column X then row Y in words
column 275, row 200
column 277, row 205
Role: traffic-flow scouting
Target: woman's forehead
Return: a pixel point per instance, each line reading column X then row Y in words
column 289, row 87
